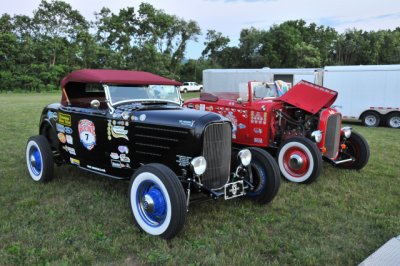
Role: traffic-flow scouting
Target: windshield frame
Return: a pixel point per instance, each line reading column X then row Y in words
column 112, row 104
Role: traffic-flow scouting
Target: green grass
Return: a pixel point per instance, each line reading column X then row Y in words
column 81, row 218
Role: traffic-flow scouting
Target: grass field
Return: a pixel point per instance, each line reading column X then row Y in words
column 81, row 218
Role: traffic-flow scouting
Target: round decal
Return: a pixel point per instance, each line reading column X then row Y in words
column 62, row 137
column 142, row 117
column 87, row 133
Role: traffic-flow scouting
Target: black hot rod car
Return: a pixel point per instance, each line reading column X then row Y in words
column 131, row 125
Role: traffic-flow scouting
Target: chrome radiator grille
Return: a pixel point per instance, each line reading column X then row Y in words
column 217, row 151
column 332, row 137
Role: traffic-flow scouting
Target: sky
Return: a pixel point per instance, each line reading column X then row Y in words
column 231, row 16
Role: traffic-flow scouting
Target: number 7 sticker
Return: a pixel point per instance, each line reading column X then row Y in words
column 87, row 133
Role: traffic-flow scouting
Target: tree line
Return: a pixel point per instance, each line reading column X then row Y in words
column 37, row 51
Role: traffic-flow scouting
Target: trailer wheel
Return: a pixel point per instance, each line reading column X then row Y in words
column 393, row 120
column 299, row 160
column 371, row 119
column 356, row 146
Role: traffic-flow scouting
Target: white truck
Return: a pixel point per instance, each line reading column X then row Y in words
column 190, row 86
column 368, row 93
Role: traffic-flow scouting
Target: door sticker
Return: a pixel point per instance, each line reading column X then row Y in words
column 87, row 133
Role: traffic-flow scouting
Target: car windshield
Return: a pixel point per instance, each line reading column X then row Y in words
column 157, row 93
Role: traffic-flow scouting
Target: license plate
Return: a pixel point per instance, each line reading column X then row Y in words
column 234, row 189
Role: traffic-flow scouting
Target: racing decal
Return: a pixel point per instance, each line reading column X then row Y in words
column 70, row 140
column 74, row 161
column 257, row 130
column 186, row 123
column 118, row 164
column 241, row 126
column 233, row 120
column 257, row 118
column 183, row 160
column 68, row 130
column 202, row 107
column 123, row 149
column 210, row 108
column 52, row 115
column 71, row 151
column 142, row 117
column 60, row 128
column 64, row 119
column 96, row 168
column 197, row 107
column 62, row 138
column 87, row 133
column 114, row 155
column 116, row 131
column 124, row 158
column 258, row 140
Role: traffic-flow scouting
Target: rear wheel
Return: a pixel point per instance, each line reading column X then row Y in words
column 264, row 176
column 393, row 120
column 299, row 160
column 39, row 159
column 357, row 147
column 185, row 90
column 371, row 119
column 158, row 201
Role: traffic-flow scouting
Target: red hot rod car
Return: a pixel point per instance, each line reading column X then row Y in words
column 298, row 126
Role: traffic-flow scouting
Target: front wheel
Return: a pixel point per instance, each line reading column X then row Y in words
column 39, row 159
column 299, row 160
column 357, row 147
column 264, row 176
column 157, row 200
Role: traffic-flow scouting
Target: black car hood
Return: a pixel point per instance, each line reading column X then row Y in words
column 181, row 117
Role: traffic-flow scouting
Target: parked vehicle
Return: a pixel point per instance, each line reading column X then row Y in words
column 300, row 126
column 190, row 86
column 130, row 125
column 367, row 93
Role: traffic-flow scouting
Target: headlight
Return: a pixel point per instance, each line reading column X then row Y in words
column 346, row 131
column 317, row 136
column 245, row 157
column 199, row 165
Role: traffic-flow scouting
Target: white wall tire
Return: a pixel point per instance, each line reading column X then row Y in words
column 39, row 159
column 158, row 201
column 299, row 160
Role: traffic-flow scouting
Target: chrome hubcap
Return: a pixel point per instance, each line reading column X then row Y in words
column 148, row 204
column 296, row 162
column 370, row 120
column 33, row 160
column 395, row 122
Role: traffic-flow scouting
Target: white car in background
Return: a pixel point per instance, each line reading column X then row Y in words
column 190, row 86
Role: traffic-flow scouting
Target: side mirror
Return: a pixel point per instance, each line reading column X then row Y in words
column 95, row 104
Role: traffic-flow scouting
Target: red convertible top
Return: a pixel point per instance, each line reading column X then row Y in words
column 116, row 77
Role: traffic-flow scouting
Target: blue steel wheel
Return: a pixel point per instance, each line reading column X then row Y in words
column 264, row 176
column 39, row 159
column 157, row 200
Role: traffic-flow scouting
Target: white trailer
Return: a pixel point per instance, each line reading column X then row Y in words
column 368, row 93
column 230, row 79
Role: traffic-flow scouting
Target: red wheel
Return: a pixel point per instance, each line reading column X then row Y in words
column 299, row 160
